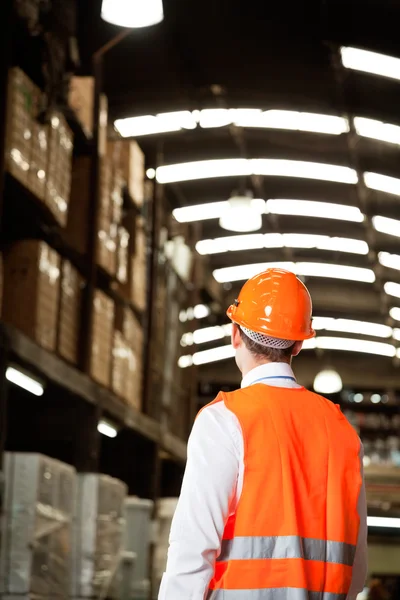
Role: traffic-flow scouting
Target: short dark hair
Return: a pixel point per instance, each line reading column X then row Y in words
column 263, row 353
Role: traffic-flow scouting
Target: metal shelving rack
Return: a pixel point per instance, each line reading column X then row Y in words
column 144, row 446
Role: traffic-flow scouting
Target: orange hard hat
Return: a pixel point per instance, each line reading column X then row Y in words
column 276, row 304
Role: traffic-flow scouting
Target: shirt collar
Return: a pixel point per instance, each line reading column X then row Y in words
column 267, row 370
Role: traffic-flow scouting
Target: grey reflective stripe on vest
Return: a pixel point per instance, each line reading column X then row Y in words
column 290, row 546
column 273, row 594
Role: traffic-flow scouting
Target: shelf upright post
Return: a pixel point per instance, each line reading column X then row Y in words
column 6, row 21
column 4, row 351
column 151, row 405
column 94, row 199
column 87, row 438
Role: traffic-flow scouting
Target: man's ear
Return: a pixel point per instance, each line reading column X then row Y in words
column 297, row 348
column 236, row 337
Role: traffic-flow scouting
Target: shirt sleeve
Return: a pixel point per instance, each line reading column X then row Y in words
column 208, row 492
column 360, row 566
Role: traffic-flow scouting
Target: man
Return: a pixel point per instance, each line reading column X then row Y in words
column 273, row 500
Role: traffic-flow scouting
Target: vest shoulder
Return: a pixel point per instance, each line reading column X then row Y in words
column 266, row 393
column 218, row 399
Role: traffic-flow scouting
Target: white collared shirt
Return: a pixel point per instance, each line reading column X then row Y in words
column 211, row 489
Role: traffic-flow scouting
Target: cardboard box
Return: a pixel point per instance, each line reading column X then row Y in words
column 31, row 290
column 77, row 229
column 70, row 313
column 23, row 98
column 58, row 186
column 102, row 338
column 81, row 100
column 129, row 158
column 128, row 358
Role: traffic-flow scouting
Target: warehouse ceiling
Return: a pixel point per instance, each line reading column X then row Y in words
column 221, row 54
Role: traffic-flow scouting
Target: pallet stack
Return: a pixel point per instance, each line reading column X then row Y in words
column 37, row 526
column 98, row 535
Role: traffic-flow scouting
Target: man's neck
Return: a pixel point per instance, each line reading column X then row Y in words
column 252, row 364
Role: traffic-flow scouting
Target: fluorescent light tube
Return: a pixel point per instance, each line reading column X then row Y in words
column 353, row 345
column 105, row 428
column 200, row 311
column 309, row 208
column 238, row 167
column 374, row 63
column 386, row 225
column 185, row 361
column 213, row 355
column 377, row 130
column 387, row 522
column 395, row 313
column 392, row 289
column 155, row 124
column 206, row 335
column 392, row 261
column 215, row 117
column 382, row 183
column 352, row 326
column 335, row 272
column 242, row 272
column 396, row 334
column 132, row 13
column 24, row 381
column 276, row 240
column 200, row 212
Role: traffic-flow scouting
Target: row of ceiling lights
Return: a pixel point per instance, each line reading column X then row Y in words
column 219, row 332
column 271, row 167
column 255, row 118
column 340, row 344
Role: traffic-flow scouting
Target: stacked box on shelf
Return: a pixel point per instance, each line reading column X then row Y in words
column 110, row 212
column 23, row 98
column 31, row 290
column 80, row 99
column 58, row 178
column 110, row 217
column 77, row 228
column 128, row 357
column 102, row 338
column 70, row 312
column 129, row 159
column 98, row 535
column 36, row 540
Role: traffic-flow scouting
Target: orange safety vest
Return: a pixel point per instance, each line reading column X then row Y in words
column 295, row 530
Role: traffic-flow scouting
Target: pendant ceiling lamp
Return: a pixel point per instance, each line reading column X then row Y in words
column 242, row 214
column 132, row 13
column 328, row 381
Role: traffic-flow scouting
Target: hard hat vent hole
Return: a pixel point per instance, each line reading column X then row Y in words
column 265, row 340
